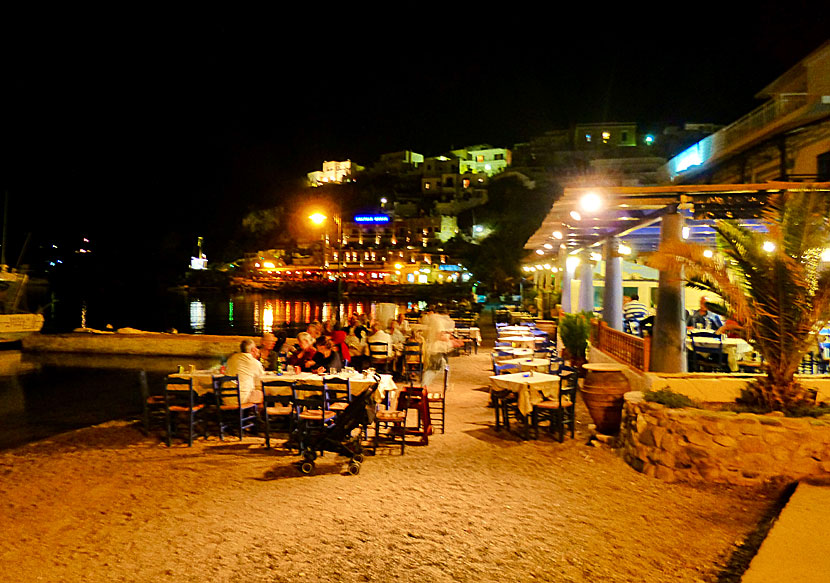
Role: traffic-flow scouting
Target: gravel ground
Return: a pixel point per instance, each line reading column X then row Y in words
column 109, row 504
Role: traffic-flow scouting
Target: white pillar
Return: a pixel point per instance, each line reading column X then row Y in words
column 586, row 283
column 612, row 295
column 567, row 276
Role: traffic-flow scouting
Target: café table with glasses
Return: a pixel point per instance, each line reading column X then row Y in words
column 203, row 381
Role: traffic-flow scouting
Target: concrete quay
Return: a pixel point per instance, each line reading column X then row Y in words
column 795, row 550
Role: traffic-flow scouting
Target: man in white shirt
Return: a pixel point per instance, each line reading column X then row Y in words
column 246, row 365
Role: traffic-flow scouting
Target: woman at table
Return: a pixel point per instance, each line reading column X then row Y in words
column 338, row 343
column 303, row 355
column 326, row 359
column 248, row 368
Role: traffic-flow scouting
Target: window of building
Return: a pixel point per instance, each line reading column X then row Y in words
column 823, row 167
column 498, row 157
column 624, row 136
column 466, row 183
column 587, row 137
column 480, row 158
column 426, row 185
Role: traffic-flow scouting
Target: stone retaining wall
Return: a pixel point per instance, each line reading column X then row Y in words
column 696, row 445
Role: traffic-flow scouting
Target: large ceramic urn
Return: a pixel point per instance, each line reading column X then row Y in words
column 602, row 392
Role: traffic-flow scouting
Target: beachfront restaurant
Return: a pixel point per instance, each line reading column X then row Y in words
column 593, row 247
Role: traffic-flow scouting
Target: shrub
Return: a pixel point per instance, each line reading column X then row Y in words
column 670, row 399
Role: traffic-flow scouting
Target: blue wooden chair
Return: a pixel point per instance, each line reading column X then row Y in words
column 277, row 403
column 708, row 357
column 231, row 412
column 183, row 404
column 561, row 411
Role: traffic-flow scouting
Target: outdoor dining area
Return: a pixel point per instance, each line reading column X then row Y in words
column 291, row 399
column 531, row 383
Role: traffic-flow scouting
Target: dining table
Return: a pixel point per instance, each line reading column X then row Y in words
column 530, row 388
column 515, row 331
column 519, row 341
column 359, row 382
column 734, row 348
column 528, row 364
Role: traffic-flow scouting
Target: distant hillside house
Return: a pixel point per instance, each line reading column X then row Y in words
column 334, row 173
column 483, row 159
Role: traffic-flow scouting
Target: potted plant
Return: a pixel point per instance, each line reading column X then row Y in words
column 574, row 330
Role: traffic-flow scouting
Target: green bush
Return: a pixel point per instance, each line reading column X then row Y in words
column 670, row 399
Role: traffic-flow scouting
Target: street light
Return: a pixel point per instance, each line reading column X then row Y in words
column 319, row 218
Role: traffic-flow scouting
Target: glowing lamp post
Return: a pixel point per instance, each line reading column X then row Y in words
column 319, row 219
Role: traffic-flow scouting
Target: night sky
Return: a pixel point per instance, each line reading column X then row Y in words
column 144, row 131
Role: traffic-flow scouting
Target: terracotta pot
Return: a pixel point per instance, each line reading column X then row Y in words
column 602, row 392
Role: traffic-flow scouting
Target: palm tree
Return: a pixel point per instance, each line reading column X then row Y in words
column 776, row 284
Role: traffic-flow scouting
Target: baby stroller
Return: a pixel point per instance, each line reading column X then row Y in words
column 337, row 437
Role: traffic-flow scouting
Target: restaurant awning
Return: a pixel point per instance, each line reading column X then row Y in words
column 586, row 216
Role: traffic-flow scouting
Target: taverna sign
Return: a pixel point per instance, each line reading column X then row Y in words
column 371, row 218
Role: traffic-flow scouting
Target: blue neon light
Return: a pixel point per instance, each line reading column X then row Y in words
column 371, row 219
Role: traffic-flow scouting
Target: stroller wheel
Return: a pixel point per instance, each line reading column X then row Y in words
column 354, row 468
column 307, row 467
column 359, row 458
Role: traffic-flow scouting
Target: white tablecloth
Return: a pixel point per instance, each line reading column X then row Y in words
column 203, row 381
column 735, row 348
column 527, row 364
column 519, row 341
column 531, row 388
column 515, row 331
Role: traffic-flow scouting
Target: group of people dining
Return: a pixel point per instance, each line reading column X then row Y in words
column 329, row 347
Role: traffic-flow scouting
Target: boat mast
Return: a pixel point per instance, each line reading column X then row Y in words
column 5, row 215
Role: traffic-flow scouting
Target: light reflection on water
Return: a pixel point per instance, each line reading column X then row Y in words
column 244, row 314
column 257, row 313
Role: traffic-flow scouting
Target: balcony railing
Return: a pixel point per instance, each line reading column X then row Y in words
column 631, row 350
column 763, row 117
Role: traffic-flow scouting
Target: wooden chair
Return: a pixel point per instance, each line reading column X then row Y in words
column 393, row 423
column 230, row 410
column 560, row 412
column 181, row 402
column 437, row 401
column 338, row 393
column 277, row 402
column 413, row 361
column 313, row 414
column 153, row 407
column 711, row 358
column 379, row 356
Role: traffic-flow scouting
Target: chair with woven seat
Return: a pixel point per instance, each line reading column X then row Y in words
column 278, row 403
column 153, row 408
column 380, row 356
column 182, row 402
column 560, row 411
column 437, row 401
column 413, row 361
column 393, row 423
column 231, row 412
column 338, row 393
column 312, row 412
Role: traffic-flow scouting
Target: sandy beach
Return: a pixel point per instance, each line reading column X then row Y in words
column 109, row 504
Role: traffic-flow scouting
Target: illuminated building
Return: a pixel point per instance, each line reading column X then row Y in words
column 787, row 138
column 334, row 173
